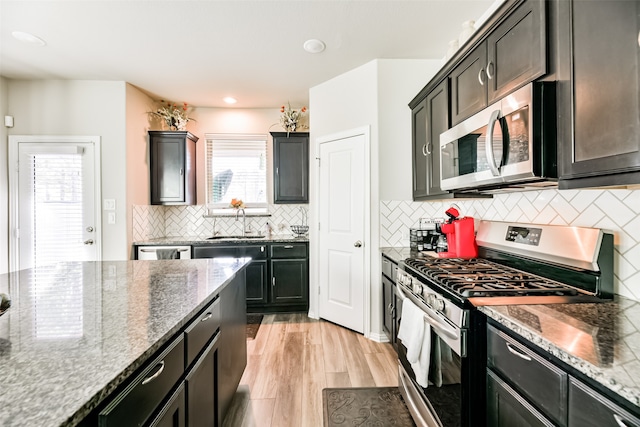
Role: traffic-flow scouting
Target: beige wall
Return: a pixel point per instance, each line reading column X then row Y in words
column 4, row 180
column 137, row 153
column 62, row 107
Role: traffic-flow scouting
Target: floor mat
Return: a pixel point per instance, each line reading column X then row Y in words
column 367, row 406
column 253, row 324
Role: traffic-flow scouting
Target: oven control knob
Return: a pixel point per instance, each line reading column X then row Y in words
column 417, row 288
column 436, row 302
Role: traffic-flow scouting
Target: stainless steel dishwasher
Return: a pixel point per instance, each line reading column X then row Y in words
column 153, row 252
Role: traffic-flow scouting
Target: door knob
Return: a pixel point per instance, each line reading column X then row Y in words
column 358, row 244
column 89, row 229
column 88, row 242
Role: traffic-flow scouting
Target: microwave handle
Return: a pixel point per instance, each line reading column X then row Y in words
column 491, row 159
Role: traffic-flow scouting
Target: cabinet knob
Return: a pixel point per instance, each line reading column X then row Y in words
column 358, row 244
column 88, row 242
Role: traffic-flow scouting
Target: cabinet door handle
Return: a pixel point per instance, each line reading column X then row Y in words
column 277, row 171
column 207, row 317
column 516, row 352
column 424, row 150
column 154, row 376
column 288, row 247
column 620, row 421
column 429, row 145
column 261, row 248
column 181, row 171
column 489, row 67
column 389, row 308
column 480, row 77
column 273, row 282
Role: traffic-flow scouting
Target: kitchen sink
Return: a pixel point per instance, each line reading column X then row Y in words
column 235, row 237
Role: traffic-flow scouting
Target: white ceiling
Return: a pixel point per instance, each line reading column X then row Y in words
column 201, row 51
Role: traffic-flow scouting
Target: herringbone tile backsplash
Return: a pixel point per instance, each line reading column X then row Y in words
column 151, row 222
column 617, row 211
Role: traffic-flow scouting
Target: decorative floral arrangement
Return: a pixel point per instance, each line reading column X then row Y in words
column 237, row 204
column 173, row 116
column 290, row 119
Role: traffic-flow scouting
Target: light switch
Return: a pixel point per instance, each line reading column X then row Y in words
column 109, row 204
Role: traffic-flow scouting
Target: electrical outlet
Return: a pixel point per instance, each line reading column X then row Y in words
column 111, row 218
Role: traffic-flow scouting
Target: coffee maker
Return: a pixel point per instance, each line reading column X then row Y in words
column 460, row 234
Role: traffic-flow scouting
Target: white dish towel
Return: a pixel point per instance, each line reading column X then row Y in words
column 415, row 334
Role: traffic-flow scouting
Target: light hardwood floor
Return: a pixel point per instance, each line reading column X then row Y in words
column 292, row 359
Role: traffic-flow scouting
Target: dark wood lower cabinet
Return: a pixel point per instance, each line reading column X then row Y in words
column 289, row 281
column 277, row 280
column 387, row 307
column 232, row 357
column 506, row 408
column 257, row 280
column 173, row 414
column 202, row 388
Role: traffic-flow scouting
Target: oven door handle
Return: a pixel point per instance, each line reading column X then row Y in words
column 431, row 317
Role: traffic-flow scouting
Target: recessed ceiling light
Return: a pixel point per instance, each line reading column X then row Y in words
column 314, row 46
column 230, row 100
column 28, row 38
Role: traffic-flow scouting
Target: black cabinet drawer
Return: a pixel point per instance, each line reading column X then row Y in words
column 289, row 250
column 587, row 407
column 137, row 402
column 233, row 251
column 201, row 330
column 542, row 383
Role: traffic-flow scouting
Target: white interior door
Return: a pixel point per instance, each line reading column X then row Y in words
column 342, row 230
column 54, row 190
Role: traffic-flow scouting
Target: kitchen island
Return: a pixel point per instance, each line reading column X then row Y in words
column 78, row 333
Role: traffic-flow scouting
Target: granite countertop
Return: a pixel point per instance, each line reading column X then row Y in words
column 199, row 240
column 75, row 331
column 602, row 341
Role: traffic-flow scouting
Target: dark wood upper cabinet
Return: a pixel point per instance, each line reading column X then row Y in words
column 512, row 55
column 599, row 117
column 172, row 162
column 468, row 85
column 290, row 167
column 429, row 119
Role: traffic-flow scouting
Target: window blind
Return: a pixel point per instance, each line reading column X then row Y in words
column 57, row 208
column 236, row 169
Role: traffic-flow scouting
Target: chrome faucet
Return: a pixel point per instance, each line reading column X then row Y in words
column 244, row 221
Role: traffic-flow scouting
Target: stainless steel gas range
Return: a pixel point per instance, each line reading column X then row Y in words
column 517, row 264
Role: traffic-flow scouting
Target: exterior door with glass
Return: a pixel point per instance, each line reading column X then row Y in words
column 54, row 194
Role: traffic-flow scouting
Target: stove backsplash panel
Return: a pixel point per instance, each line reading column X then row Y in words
column 617, row 211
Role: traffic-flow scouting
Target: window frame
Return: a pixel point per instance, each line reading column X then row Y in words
column 250, row 207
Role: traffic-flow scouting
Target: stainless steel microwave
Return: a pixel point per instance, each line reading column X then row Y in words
column 509, row 145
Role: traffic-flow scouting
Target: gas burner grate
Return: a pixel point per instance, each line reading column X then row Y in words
column 482, row 278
